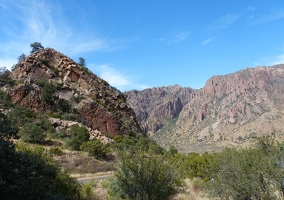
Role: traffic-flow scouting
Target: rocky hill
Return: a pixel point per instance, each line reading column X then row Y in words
column 48, row 81
column 230, row 109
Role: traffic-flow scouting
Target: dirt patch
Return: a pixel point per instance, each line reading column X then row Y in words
column 81, row 163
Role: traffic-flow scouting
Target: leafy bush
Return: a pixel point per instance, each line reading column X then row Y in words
column 4, row 100
column 63, row 105
column 30, row 173
column 250, row 173
column 145, row 176
column 79, row 135
column 70, row 117
column 20, row 116
column 56, row 151
column 95, row 148
column 47, row 93
column 33, row 133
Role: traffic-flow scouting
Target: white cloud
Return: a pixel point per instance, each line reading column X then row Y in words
column 272, row 16
column 43, row 21
column 179, row 37
column 207, row 41
column 278, row 60
column 112, row 76
column 225, row 21
column 117, row 79
column 251, row 8
column 270, row 61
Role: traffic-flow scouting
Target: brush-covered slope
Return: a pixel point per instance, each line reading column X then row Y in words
column 232, row 108
column 48, row 81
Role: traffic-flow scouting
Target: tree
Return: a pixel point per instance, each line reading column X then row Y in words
column 36, row 46
column 3, row 70
column 144, row 176
column 82, row 62
column 21, row 58
column 250, row 173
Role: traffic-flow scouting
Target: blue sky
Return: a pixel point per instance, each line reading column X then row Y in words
column 137, row 44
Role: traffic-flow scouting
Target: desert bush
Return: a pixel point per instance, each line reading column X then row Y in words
column 79, row 135
column 249, row 173
column 95, row 148
column 56, row 151
column 30, row 173
column 47, row 93
column 33, row 133
column 145, row 176
column 20, row 116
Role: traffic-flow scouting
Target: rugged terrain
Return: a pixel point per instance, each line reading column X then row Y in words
column 48, row 81
column 228, row 110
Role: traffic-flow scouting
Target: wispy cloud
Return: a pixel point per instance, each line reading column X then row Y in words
column 270, row 60
column 224, row 21
column 207, row 41
column 250, row 8
column 272, row 16
column 43, row 21
column 116, row 78
column 179, row 37
column 278, row 60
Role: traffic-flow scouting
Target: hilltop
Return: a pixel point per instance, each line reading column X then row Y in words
column 49, row 82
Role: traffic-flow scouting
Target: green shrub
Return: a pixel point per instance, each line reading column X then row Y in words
column 145, row 176
column 63, row 105
column 20, row 116
column 47, row 93
column 249, row 173
column 56, row 151
column 33, row 133
column 95, row 148
column 79, row 135
column 70, row 117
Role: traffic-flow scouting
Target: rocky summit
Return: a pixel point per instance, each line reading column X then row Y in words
column 229, row 110
column 47, row 81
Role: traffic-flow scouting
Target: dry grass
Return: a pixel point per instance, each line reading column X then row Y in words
column 190, row 192
column 81, row 163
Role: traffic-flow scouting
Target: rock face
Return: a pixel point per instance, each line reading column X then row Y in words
column 100, row 106
column 231, row 108
column 153, row 107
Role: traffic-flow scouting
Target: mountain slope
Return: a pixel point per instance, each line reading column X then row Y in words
column 155, row 106
column 50, row 82
column 229, row 109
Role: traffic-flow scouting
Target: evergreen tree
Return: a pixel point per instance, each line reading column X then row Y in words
column 36, row 46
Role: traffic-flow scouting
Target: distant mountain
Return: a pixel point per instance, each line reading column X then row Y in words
column 230, row 109
column 49, row 82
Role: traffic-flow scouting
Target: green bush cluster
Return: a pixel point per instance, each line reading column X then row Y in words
column 79, row 135
column 249, row 173
column 95, row 148
column 29, row 172
column 146, row 176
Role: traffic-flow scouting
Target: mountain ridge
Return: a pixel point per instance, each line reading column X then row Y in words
column 232, row 109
